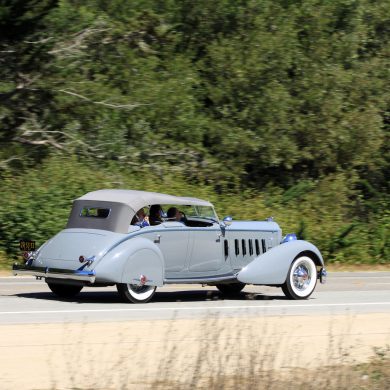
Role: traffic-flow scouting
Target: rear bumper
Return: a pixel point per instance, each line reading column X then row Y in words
column 54, row 273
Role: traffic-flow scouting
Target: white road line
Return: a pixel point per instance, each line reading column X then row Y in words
column 194, row 308
column 356, row 277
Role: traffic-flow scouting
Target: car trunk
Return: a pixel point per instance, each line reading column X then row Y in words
column 63, row 250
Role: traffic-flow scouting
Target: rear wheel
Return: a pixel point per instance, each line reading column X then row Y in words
column 134, row 293
column 301, row 278
column 64, row 290
column 230, row 288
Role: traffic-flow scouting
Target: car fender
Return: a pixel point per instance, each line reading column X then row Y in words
column 272, row 267
column 127, row 262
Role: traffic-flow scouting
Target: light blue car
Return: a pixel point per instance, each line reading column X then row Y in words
column 106, row 243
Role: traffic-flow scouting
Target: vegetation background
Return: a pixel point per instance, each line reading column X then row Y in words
column 264, row 107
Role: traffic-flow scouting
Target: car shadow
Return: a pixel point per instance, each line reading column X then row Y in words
column 201, row 295
column 210, row 295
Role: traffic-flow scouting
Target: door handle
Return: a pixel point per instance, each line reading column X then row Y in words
column 157, row 239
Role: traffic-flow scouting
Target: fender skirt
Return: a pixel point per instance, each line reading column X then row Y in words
column 271, row 268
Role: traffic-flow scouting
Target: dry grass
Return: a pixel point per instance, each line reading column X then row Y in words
column 374, row 375
column 214, row 352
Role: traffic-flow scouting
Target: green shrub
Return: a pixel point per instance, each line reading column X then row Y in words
column 37, row 204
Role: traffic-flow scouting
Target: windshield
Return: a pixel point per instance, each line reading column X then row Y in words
column 205, row 212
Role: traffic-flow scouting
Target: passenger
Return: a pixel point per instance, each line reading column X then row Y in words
column 155, row 214
column 141, row 219
column 174, row 214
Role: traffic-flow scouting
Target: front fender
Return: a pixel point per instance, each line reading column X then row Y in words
column 131, row 259
column 272, row 267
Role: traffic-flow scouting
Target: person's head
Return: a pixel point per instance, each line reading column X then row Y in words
column 141, row 214
column 155, row 211
column 174, row 212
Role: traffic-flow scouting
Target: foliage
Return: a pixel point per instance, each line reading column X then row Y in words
column 282, row 105
column 38, row 204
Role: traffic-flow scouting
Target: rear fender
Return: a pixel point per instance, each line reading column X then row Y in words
column 272, row 267
column 131, row 259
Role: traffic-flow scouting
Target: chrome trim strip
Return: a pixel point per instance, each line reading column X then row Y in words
column 198, row 280
column 55, row 273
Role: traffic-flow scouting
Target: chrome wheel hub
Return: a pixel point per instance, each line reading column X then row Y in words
column 139, row 289
column 301, row 277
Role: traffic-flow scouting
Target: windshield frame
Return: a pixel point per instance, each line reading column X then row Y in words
column 197, row 212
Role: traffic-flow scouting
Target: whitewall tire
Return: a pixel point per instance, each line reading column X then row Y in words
column 134, row 293
column 301, row 278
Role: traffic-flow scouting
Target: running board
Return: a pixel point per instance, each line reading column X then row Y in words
column 196, row 280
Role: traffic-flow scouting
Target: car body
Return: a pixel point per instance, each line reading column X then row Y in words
column 100, row 247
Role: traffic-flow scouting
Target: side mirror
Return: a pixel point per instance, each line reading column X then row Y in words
column 228, row 220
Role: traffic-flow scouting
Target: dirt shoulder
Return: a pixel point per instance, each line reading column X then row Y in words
column 138, row 354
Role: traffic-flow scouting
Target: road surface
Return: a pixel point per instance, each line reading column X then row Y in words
column 186, row 333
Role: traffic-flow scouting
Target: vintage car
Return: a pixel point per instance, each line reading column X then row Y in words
column 103, row 244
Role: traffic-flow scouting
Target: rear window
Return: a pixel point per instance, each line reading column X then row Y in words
column 95, row 212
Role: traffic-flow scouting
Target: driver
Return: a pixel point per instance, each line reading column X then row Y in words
column 173, row 213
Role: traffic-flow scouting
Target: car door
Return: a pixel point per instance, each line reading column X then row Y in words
column 206, row 253
column 172, row 238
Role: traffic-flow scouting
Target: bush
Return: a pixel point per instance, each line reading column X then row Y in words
column 38, row 203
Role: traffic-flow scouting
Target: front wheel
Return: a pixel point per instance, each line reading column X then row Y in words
column 301, row 278
column 134, row 293
column 64, row 290
column 230, row 288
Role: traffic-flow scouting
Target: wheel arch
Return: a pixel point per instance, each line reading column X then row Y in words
column 271, row 268
column 317, row 260
column 131, row 259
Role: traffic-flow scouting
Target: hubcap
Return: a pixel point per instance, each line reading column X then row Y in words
column 301, row 277
column 139, row 289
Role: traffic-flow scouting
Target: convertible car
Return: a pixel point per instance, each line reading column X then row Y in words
column 105, row 244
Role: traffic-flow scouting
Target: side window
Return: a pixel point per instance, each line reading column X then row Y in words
column 243, row 247
column 250, row 247
column 257, row 247
column 237, row 247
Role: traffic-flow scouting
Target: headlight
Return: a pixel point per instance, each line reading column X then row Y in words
column 289, row 237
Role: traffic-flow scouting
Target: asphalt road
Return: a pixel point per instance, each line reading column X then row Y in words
column 26, row 300
column 187, row 334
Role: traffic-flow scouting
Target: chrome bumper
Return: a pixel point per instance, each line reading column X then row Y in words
column 55, row 273
column 322, row 275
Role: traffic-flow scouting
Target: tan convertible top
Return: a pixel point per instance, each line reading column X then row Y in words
column 137, row 199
